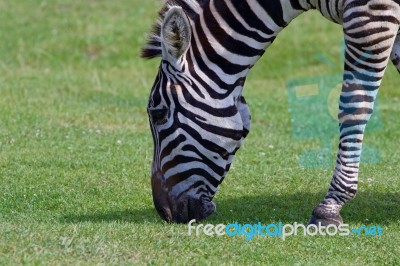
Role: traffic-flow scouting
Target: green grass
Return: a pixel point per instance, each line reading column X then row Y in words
column 76, row 149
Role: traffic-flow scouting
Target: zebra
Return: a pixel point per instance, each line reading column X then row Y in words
column 199, row 117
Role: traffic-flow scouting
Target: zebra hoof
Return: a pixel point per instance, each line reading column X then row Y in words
column 326, row 215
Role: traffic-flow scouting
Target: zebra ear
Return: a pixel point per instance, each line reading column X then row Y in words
column 175, row 33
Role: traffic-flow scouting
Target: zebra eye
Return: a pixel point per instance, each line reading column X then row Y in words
column 158, row 116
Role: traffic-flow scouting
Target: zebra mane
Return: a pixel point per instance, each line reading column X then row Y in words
column 153, row 47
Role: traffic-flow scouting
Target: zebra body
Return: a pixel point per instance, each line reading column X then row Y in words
column 199, row 117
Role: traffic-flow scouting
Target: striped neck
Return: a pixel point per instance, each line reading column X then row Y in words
column 225, row 44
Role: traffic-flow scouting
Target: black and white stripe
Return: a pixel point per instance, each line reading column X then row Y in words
column 198, row 115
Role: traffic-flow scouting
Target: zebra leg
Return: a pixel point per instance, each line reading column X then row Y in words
column 395, row 56
column 366, row 58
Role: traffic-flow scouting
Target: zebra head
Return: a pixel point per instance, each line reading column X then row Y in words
column 197, row 123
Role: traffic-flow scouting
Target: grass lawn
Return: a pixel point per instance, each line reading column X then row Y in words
column 76, row 149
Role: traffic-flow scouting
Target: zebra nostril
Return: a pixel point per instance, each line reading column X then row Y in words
column 167, row 215
column 161, row 201
column 163, row 210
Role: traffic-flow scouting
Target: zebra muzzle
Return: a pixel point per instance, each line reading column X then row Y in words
column 182, row 210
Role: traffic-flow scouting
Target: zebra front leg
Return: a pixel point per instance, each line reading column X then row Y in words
column 366, row 58
column 395, row 56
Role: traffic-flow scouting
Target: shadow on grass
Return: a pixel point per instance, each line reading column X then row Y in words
column 368, row 208
column 140, row 216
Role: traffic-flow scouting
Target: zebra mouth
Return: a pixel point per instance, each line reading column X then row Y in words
column 199, row 209
column 179, row 209
column 183, row 210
